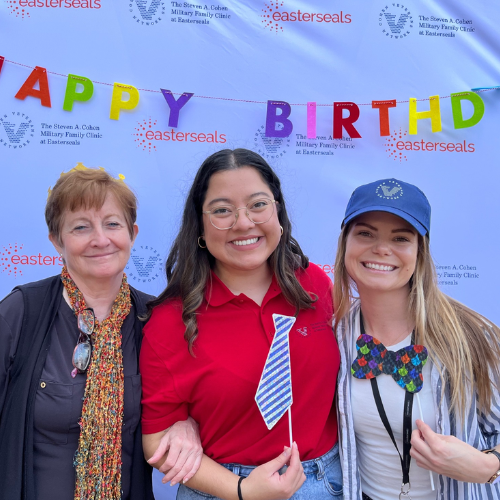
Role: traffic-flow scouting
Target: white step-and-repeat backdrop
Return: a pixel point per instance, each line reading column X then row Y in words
column 333, row 94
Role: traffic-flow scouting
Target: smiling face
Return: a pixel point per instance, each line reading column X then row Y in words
column 246, row 246
column 95, row 244
column 381, row 252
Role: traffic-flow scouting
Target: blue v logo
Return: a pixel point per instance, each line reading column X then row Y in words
column 396, row 27
column 15, row 136
column 147, row 14
column 144, row 270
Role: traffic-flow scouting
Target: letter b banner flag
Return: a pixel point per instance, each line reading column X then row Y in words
column 274, row 394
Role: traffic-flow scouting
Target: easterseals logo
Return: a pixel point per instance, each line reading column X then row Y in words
column 144, row 265
column 24, row 8
column 7, row 253
column 270, row 147
column 16, row 130
column 390, row 143
column 14, row 260
column 274, row 14
column 139, row 135
column 147, row 136
column 147, row 15
column 398, row 147
column 395, row 20
column 390, row 190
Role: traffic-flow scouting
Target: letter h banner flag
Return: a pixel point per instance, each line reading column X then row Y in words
column 274, row 394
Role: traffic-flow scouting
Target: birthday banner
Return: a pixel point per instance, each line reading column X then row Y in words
column 332, row 94
column 278, row 122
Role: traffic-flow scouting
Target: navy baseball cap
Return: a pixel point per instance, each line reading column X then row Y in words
column 393, row 196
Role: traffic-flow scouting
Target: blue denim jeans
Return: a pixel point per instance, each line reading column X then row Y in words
column 323, row 479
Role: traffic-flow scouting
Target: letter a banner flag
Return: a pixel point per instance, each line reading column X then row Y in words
column 274, row 394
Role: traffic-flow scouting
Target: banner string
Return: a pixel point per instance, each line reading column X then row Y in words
column 476, row 89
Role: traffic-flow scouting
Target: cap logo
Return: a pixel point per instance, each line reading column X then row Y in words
column 390, row 190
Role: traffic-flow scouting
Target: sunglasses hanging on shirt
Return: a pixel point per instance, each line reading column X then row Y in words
column 83, row 349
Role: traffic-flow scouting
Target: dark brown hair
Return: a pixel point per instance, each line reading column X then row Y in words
column 188, row 266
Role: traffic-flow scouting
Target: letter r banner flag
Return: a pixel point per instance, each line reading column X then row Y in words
column 274, row 394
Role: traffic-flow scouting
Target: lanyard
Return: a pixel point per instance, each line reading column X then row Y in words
column 407, row 429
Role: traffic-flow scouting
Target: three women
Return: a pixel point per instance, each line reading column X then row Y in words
column 233, row 265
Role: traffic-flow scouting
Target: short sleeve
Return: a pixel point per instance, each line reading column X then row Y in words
column 11, row 317
column 161, row 405
column 316, row 281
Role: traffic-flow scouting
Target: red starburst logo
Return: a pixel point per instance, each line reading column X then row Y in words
column 14, row 8
column 6, row 255
column 390, row 144
column 140, row 134
column 267, row 15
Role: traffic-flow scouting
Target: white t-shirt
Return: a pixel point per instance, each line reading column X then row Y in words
column 379, row 463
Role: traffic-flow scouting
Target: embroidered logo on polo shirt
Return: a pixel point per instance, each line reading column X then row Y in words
column 312, row 328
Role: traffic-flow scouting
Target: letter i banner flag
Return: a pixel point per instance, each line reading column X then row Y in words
column 274, row 394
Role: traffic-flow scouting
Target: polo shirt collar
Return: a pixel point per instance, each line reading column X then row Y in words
column 218, row 294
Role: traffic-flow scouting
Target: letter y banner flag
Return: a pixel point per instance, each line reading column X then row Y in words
column 274, row 394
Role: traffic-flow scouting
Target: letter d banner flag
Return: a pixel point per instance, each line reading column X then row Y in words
column 274, row 394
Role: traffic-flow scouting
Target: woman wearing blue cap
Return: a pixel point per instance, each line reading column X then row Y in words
column 410, row 354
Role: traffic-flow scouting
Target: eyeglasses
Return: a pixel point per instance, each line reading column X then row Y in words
column 225, row 216
column 83, row 349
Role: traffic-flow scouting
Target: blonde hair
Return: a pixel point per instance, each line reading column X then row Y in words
column 464, row 345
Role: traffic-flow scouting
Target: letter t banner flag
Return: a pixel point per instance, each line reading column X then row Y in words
column 274, row 394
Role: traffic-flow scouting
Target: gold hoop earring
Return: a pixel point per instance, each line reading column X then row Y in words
column 281, row 230
column 199, row 238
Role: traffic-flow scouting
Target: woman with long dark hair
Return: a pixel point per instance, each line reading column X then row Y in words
column 233, row 267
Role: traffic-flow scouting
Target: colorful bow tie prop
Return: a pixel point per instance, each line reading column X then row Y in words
column 404, row 365
column 274, row 394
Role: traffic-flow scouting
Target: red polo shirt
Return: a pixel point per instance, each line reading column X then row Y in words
column 217, row 387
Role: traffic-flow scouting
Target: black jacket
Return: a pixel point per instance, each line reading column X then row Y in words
column 41, row 302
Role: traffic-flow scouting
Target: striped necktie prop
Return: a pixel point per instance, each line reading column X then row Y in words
column 274, row 394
